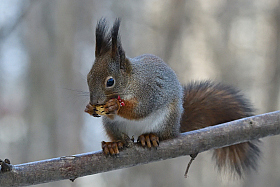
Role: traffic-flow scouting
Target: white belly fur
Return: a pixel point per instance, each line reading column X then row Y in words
column 135, row 128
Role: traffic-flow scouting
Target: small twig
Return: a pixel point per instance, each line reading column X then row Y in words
column 193, row 156
column 5, row 165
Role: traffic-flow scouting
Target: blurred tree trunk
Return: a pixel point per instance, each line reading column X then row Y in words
column 54, row 119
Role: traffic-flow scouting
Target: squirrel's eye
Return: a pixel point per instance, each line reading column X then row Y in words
column 110, row 82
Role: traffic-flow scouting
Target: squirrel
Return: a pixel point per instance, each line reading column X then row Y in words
column 143, row 97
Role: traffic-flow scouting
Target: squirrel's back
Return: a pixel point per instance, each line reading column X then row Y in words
column 207, row 104
column 153, row 78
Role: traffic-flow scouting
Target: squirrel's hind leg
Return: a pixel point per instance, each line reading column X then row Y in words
column 149, row 140
column 112, row 148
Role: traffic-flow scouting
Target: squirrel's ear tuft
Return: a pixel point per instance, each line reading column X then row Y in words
column 110, row 42
column 102, row 38
column 115, row 38
column 117, row 51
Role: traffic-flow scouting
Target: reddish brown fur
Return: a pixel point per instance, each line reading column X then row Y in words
column 127, row 111
column 207, row 104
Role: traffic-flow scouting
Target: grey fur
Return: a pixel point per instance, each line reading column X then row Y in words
column 155, row 86
column 145, row 78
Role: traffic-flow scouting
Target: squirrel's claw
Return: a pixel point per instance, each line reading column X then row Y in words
column 91, row 110
column 111, row 148
column 149, row 140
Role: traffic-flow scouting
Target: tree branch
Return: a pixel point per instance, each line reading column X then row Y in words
column 71, row 167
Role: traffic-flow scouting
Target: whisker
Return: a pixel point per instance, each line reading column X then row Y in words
column 78, row 92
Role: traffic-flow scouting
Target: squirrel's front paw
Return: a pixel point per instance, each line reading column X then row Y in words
column 149, row 140
column 112, row 106
column 95, row 110
column 111, row 148
column 91, row 110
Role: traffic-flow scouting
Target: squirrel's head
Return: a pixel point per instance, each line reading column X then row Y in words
column 110, row 72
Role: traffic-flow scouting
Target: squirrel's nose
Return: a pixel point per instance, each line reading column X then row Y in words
column 101, row 100
column 97, row 100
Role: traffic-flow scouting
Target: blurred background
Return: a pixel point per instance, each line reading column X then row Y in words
column 47, row 48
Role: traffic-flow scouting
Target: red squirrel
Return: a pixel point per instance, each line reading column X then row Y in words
column 142, row 97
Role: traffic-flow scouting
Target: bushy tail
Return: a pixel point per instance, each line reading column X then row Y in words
column 207, row 104
column 239, row 159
